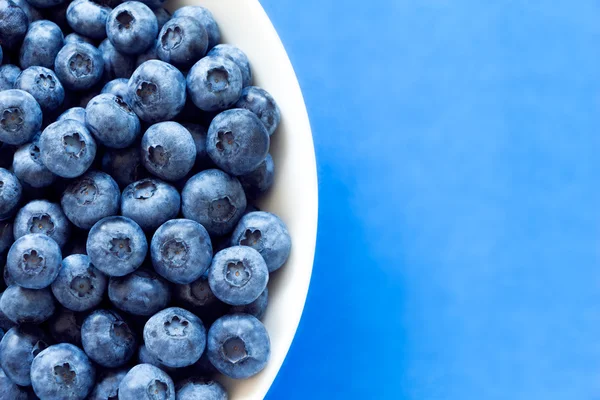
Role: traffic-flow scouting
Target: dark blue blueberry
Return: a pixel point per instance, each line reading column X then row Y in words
column 199, row 134
column 197, row 389
column 22, row 305
column 168, row 150
column 88, row 18
column 150, row 54
column 43, row 85
column 9, row 390
column 33, row 14
column 65, row 326
column 116, row 64
column 79, row 285
column 238, row 275
column 117, row 246
column 112, row 121
column 8, row 280
column 157, row 91
column 124, row 165
column 214, row 83
column 58, row 15
column 29, row 168
column 237, row 141
column 181, row 250
column 42, row 43
column 175, row 336
column 42, row 216
column 140, row 293
column 259, row 181
column 62, row 371
column 6, row 235
column 79, row 66
column 162, row 16
column 182, row 41
column 238, row 57
column 132, row 27
column 67, row 148
column 77, row 38
column 13, row 24
column 257, row 308
column 90, row 198
column 10, row 194
column 20, row 116
column 261, row 103
column 199, row 299
column 107, row 386
column 150, row 203
column 238, row 345
column 19, row 346
column 8, row 76
column 118, row 87
column 76, row 113
column 107, row 339
column 205, row 18
column 34, row 260
column 214, row 199
column 146, row 382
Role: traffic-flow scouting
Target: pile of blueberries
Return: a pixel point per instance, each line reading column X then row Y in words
column 132, row 147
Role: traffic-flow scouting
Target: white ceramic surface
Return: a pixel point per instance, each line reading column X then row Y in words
column 294, row 195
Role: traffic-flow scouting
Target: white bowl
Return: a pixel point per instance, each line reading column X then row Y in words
column 294, row 195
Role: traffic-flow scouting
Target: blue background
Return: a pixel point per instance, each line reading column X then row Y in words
column 458, row 249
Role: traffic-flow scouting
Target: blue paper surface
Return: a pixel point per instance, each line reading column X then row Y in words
column 458, row 252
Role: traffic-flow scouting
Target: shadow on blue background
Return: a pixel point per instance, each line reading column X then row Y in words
column 458, row 250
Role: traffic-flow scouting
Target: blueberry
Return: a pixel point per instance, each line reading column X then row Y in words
column 145, row 357
column 10, row 194
column 88, row 18
column 237, row 141
column 65, row 326
column 181, row 250
column 20, row 116
column 199, row 134
column 151, row 53
column 238, row 275
column 42, row 216
column 157, row 91
column 175, row 336
column 79, row 285
column 62, row 371
column 261, row 103
column 116, row 64
column 238, row 346
column 34, row 260
column 150, row 203
column 22, row 305
column 19, row 346
column 168, row 150
column 118, row 87
column 162, row 16
column 8, row 76
column 199, row 299
column 260, row 180
column 214, row 199
column 107, row 339
column 146, row 382
column 257, row 308
column 182, row 41
column 67, row 148
column 79, row 66
column 77, row 38
column 6, row 235
column 29, row 168
column 140, row 293
column 9, row 390
column 107, row 386
column 90, row 198
column 13, row 24
column 111, row 121
column 205, row 18
column 196, row 389
column 238, row 57
column 117, row 246
column 42, row 43
column 214, row 83
column 124, row 165
column 132, row 27
column 33, row 14
column 76, row 113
